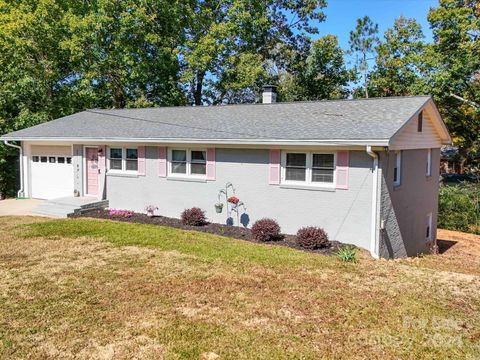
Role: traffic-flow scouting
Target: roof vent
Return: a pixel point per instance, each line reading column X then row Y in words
column 269, row 94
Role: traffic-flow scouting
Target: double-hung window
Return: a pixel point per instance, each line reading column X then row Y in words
column 308, row 168
column 123, row 159
column 428, row 227
column 397, row 169
column 188, row 162
column 429, row 162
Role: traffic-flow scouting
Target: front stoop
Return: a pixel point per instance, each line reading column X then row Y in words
column 63, row 207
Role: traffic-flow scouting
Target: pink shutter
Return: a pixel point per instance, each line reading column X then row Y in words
column 342, row 170
column 211, row 175
column 274, row 168
column 162, row 161
column 141, row 160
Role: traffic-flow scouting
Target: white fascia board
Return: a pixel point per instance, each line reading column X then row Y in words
column 277, row 142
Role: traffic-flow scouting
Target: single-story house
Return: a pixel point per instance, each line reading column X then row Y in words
column 364, row 170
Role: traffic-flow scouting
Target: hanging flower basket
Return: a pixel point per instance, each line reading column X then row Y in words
column 218, row 207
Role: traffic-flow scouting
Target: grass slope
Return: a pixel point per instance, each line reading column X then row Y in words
column 100, row 289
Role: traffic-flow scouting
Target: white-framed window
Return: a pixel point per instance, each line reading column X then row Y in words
column 308, row 168
column 397, row 169
column 187, row 162
column 428, row 227
column 121, row 159
column 429, row 163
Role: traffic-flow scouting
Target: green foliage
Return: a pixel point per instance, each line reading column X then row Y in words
column 231, row 45
column 454, row 60
column 322, row 75
column 347, row 254
column 399, row 63
column 459, row 207
column 362, row 42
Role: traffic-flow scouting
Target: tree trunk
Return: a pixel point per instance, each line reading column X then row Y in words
column 118, row 98
column 198, row 88
column 365, row 72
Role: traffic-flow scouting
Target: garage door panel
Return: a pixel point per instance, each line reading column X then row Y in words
column 51, row 175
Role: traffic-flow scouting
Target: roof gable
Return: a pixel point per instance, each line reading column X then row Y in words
column 434, row 133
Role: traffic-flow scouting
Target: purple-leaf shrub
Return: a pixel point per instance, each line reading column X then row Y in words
column 266, row 230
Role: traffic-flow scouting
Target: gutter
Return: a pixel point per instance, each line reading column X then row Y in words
column 374, row 251
column 20, row 192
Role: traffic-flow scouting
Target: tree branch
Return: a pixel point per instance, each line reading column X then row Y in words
column 469, row 102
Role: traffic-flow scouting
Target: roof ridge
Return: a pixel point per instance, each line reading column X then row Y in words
column 262, row 104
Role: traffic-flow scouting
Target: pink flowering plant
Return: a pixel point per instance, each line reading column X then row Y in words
column 233, row 200
column 120, row 213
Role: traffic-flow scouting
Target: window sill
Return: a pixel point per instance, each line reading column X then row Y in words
column 186, row 179
column 397, row 187
column 306, row 187
column 122, row 174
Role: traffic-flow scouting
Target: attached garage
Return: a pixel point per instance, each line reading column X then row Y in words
column 51, row 172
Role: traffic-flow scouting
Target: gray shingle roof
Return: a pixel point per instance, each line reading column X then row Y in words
column 368, row 119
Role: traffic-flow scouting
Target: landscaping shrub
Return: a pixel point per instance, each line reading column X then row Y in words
column 194, row 217
column 347, row 254
column 312, row 237
column 266, row 230
column 459, row 207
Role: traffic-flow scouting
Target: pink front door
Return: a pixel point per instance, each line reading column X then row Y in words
column 92, row 171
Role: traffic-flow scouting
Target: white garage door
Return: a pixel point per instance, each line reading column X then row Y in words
column 51, row 174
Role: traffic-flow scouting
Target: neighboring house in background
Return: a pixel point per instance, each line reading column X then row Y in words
column 448, row 160
column 364, row 170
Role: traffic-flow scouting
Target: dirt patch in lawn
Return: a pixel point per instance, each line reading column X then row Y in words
column 235, row 232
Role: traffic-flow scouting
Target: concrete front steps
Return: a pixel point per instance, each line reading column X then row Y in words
column 62, row 207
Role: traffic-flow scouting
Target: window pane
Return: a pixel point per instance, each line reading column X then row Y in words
column 179, row 155
column 179, row 168
column 323, row 161
column 198, row 157
column 295, row 174
column 115, row 153
column 115, row 164
column 199, row 169
column 52, row 159
column 322, row 175
column 61, row 160
column 43, row 159
column 35, row 158
column 132, row 165
column 132, row 154
column 69, row 160
column 296, row 160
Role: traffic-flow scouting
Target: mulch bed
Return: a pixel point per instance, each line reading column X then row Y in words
column 212, row 228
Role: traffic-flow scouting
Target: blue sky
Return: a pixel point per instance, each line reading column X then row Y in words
column 342, row 15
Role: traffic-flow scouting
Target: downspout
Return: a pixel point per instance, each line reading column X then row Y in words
column 373, row 239
column 20, row 192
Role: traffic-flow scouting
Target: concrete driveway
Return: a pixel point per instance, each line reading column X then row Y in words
column 10, row 207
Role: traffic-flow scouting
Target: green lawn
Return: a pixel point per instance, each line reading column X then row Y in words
column 100, row 289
